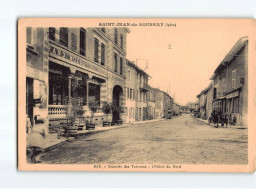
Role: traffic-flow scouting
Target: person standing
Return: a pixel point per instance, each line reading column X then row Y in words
column 36, row 139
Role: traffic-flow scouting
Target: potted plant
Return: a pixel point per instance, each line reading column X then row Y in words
column 93, row 107
column 106, row 110
column 74, row 111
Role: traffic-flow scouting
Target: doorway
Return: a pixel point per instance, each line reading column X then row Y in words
column 29, row 99
column 117, row 94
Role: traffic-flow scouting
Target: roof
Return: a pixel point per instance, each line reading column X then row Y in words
column 232, row 53
column 130, row 63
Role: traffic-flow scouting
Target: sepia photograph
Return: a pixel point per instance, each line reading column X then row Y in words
column 169, row 95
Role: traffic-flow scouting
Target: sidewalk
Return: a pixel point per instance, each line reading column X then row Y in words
column 52, row 141
column 229, row 126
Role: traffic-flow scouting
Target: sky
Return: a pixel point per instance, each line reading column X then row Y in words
column 197, row 48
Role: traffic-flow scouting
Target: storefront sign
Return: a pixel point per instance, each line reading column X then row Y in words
column 232, row 95
column 75, row 59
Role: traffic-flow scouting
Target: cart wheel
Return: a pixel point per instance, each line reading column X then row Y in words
column 67, row 135
column 59, row 135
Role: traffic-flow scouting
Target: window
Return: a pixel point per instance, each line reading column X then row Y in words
column 128, row 93
column 115, row 60
column 82, row 41
column 102, row 54
column 64, row 36
column 128, row 75
column 73, row 42
column 234, row 79
column 121, row 41
column 29, row 35
column 116, row 36
column 52, row 33
column 121, row 66
column 214, row 93
column 131, row 94
column 96, row 50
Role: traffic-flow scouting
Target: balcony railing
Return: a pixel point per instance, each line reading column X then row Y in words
column 144, row 86
column 57, row 110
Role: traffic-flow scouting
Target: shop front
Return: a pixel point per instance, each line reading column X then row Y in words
column 233, row 107
column 72, row 78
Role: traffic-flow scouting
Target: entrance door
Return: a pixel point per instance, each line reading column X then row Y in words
column 117, row 91
column 145, row 113
column 29, row 99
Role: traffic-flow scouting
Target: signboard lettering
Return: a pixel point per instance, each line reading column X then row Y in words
column 75, row 59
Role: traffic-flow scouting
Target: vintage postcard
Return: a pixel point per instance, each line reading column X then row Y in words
column 129, row 94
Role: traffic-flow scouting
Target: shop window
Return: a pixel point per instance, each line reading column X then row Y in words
column 52, row 33
column 94, row 92
column 96, row 50
column 73, row 42
column 234, row 79
column 115, row 61
column 102, row 54
column 64, row 36
column 82, row 41
column 57, row 89
column 121, row 66
column 116, row 36
column 121, row 41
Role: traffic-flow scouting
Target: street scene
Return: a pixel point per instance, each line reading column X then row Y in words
column 112, row 95
column 183, row 140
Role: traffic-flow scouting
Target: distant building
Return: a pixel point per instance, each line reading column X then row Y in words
column 159, row 103
column 141, row 89
column 151, row 96
column 184, row 109
column 131, row 91
column 176, row 109
column 193, row 106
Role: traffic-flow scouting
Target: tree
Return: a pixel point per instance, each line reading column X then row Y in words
column 107, row 107
column 74, row 109
column 93, row 106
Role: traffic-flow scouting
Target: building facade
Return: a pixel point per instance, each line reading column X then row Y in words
column 228, row 92
column 84, row 63
column 176, row 109
column 184, row 109
column 131, row 94
column 151, row 100
column 230, row 84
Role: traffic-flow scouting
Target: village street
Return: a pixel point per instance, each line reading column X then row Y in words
column 184, row 140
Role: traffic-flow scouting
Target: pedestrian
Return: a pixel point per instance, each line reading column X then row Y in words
column 36, row 139
column 215, row 118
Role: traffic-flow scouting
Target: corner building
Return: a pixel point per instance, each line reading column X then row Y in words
column 95, row 57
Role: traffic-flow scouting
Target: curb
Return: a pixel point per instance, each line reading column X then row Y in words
column 228, row 127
